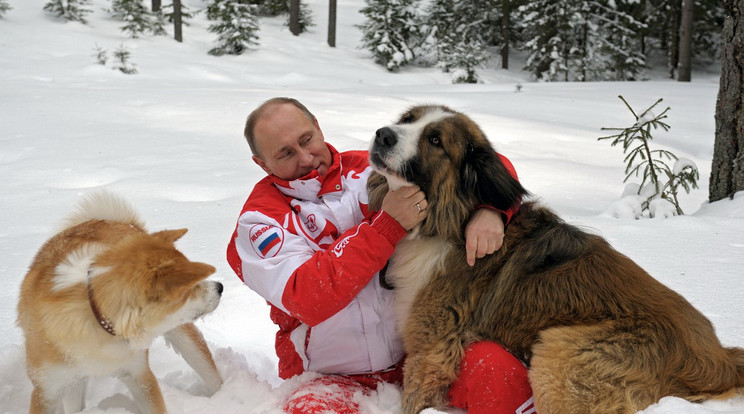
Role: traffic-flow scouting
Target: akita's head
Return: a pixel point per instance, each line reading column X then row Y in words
column 145, row 287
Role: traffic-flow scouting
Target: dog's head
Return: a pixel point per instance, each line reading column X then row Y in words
column 448, row 156
column 146, row 287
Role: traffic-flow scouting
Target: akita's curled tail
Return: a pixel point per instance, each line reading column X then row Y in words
column 103, row 205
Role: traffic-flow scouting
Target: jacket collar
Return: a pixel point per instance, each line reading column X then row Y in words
column 313, row 186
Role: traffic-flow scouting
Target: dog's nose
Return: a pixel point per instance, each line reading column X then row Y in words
column 385, row 137
column 220, row 288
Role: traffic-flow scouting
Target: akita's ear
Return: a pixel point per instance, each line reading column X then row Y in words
column 170, row 236
column 172, row 277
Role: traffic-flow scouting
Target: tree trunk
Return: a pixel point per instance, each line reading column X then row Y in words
column 685, row 41
column 294, row 17
column 505, row 30
column 332, row 23
column 177, row 23
column 155, row 5
column 727, row 170
column 673, row 29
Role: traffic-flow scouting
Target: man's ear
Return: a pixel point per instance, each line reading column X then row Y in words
column 262, row 164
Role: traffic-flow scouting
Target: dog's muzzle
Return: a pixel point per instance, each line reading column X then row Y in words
column 385, row 137
column 385, row 140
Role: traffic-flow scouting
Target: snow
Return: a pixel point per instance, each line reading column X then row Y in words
column 169, row 139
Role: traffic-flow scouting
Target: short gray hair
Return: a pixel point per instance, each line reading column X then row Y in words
column 254, row 116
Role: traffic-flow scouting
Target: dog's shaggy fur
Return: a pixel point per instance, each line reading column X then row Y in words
column 599, row 334
column 95, row 297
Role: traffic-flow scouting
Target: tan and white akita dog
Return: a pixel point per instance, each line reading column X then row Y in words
column 95, row 297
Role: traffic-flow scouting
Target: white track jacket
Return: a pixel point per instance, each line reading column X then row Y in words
column 312, row 249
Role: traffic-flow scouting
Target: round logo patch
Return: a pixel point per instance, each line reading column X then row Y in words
column 266, row 240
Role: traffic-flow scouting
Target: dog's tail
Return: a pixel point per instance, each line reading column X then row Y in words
column 103, row 205
column 737, row 355
column 726, row 380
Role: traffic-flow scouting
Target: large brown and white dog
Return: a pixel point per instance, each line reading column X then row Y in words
column 599, row 334
column 98, row 293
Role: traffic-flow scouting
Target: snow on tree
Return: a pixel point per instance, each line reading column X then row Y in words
column 70, row 10
column 581, row 40
column 461, row 45
column 390, row 31
column 236, row 24
column 137, row 19
column 619, row 42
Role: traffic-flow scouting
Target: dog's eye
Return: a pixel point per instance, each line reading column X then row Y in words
column 435, row 140
column 406, row 119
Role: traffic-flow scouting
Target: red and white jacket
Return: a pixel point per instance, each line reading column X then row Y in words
column 312, row 249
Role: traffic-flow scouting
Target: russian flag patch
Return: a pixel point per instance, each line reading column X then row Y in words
column 267, row 241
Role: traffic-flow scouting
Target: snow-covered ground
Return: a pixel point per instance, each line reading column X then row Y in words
column 169, row 139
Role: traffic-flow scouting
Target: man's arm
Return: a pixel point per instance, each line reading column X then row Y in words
column 309, row 284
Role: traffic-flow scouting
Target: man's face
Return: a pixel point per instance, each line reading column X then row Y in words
column 289, row 144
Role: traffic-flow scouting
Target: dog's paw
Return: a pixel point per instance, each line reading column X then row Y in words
column 420, row 402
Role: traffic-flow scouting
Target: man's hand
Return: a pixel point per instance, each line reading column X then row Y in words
column 484, row 234
column 407, row 206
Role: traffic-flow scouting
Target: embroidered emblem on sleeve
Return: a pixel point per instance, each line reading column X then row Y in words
column 266, row 240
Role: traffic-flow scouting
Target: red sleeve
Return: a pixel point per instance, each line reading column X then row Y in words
column 332, row 278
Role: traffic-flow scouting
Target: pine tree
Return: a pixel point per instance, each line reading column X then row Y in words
column 620, row 42
column 271, row 8
column 122, row 63
column 70, row 10
column 727, row 168
column 236, row 24
column 460, row 39
column 544, row 59
column 708, row 17
column 390, row 31
column 186, row 13
column 305, row 19
column 4, row 7
column 581, row 40
column 660, row 180
column 100, row 55
column 159, row 22
column 137, row 19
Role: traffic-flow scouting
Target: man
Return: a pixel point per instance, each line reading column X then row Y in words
column 307, row 242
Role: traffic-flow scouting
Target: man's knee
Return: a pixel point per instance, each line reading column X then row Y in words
column 491, row 380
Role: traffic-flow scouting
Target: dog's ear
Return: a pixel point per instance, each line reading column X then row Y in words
column 172, row 277
column 377, row 187
column 485, row 178
column 170, row 236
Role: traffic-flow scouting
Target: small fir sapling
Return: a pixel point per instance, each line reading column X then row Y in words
column 660, row 179
column 122, row 55
column 100, row 55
